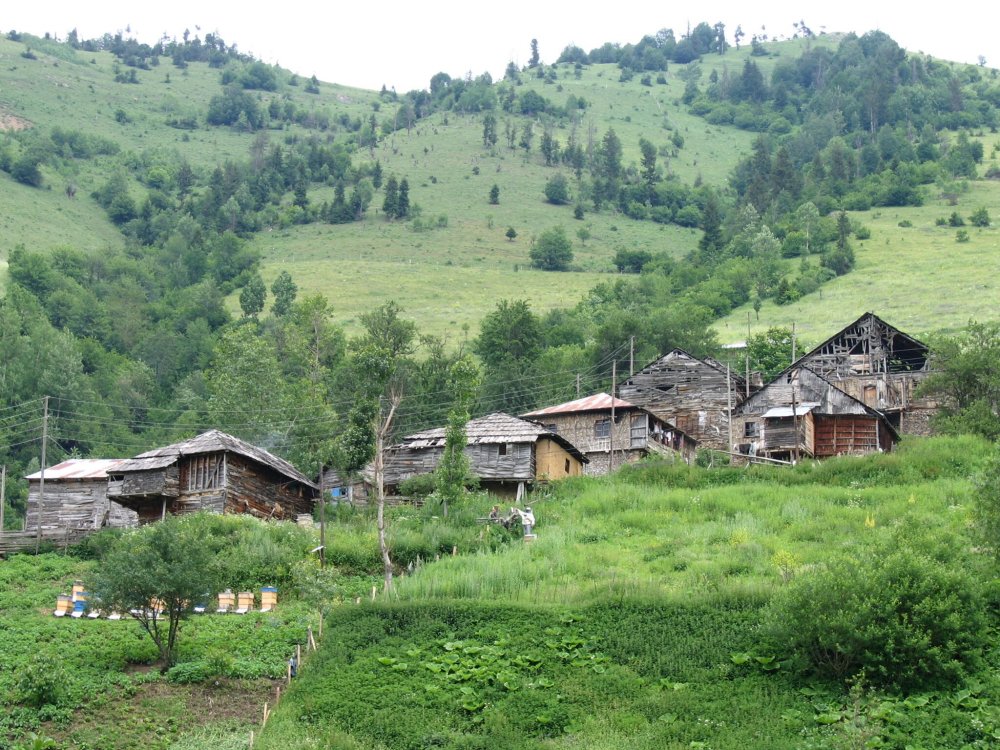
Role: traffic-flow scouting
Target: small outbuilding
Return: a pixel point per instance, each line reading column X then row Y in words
column 76, row 498
column 215, row 472
column 610, row 432
column 508, row 455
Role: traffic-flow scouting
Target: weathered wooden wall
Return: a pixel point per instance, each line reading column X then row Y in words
column 76, row 505
column 262, row 492
column 164, row 482
column 849, row 434
column 688, row 393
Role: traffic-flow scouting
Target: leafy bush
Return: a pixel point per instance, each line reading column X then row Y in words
column 904, row 619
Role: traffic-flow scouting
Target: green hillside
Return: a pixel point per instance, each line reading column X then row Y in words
column 911, row 271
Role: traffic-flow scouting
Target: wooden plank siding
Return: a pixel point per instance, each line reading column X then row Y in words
column 830, row 421
column 690, row 393
column 76, row 505
column 879, row 365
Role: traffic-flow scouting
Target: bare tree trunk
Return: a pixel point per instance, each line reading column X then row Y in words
column 381, row 435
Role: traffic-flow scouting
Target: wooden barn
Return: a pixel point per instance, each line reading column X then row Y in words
column 611, row 432
column 802, row 414
column 215, row 472
column 76, row 498
column 879, row 365
column 695, row 395
column 508, row 455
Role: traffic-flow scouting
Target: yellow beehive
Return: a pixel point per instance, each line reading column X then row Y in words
column 268, row 598
column 64, row 604
column 156, row 605
column 245, row 601
column 227, row 601
column 78, row 591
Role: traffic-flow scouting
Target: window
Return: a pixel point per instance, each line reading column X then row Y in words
column 552, row 427
column 567, row 466
column 751, row 429
column 602, row 428
column 502, row 449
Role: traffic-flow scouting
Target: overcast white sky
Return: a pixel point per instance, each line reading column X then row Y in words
column 402, row 44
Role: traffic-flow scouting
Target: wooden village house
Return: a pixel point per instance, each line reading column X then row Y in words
column 506, row 453
column 76, row 498
column 695, row 395
column 215, row 472
column 611, row 432
column 802, row 414
column 880, row 366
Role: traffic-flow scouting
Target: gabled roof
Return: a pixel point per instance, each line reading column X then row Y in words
column 823, row 398
column 707, row 361
column 492, row 429
column 78, row 469
column 597, row 402
column 911, row 346
column 212, row 441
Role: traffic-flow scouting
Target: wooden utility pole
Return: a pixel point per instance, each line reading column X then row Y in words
column 3, row 495
column 793, row 343
column 41, row 483
column 747, row 350
column 611, row 427
column 322, row 519
column 578, row 385
column 631, row 357
column 383, row 429
column 729, row 408
column 795, row 428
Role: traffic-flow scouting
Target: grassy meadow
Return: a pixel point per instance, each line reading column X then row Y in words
column 640, row 618
column 911, row 272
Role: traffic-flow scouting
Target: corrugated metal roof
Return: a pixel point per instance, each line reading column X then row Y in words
column 79, row 469
column 786, row 411
column 211, row 442
column 596, row 402
column 493, row 428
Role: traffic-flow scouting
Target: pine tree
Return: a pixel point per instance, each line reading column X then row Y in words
column 403, row 202
column 391, row 203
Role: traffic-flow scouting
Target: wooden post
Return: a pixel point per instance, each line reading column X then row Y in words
column 321, row 622
column 578, row 385
column 631, row 357
column 251, row 739
column 264, row 721
column 795, row 428
column 3, row 495
column 793, row 343
column 729, row 409
column 298, row 654
column 322, row 520
column 747, row 350
column 611, row 430
column 41, row 483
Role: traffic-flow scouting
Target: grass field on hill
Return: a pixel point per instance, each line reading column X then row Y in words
column 918, row 277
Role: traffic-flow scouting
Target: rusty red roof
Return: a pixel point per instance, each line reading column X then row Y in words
column 79, row 469
column 597, row 402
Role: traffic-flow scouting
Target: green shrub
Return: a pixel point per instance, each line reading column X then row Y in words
column 904, row 619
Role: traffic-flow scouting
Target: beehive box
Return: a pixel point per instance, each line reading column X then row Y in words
column 268, row 598
column 227, row 600
column 64, row 605
column 245, row 600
